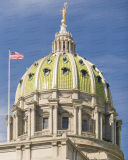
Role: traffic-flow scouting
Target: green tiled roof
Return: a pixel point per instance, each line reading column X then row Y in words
column 83, row 83
column 65, row 81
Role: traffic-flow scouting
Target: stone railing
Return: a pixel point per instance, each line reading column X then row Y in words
column 88, row 134
column 60, row 132
column 42, row 133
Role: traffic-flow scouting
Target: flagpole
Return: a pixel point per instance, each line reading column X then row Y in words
column 8, row 133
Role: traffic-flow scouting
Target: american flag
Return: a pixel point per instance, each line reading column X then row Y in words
column 15, row 55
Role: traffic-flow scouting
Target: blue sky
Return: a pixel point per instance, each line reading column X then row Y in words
column 99, row 29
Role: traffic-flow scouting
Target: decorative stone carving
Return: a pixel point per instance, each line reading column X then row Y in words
column 44, row 114
column 29, row 99
column 42, row 96
column 85, row 99
column 65, row 96
column 67, row 112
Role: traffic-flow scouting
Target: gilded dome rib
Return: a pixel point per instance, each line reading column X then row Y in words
column 55, row 72
column 75, row 81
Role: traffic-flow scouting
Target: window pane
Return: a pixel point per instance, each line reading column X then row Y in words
column 65, row 122
column 84, row 125
column 45, row 122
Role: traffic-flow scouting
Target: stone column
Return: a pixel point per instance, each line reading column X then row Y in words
column 29, row 122
column 18, row 153
column 66, row 46
column 75, row 117
column 69, row 46
column 51, row 120
column 33, row 119
column 54, row 47
column 16, row 126
column 97, row 123
column 115, row 132
column 101, row 129
column 119, row 130
column 56, row 118
column 112, row 127
column 80, row 120
column 61, row 46
column 57, row 45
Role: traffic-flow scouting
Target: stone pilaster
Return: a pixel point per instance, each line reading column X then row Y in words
column 33, row 120
column 75, row 120
column 18, row 153
column 51, row 120
column 56, row 119
column 80, row 120
column 97, row 122
column 54, row 149
column 101, row 125
column 17, row 119
column 27, row 152
column 29, row 122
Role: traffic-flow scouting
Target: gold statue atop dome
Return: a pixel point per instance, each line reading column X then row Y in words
column 64, row 13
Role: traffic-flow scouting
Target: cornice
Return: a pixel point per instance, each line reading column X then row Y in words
column 31, row 102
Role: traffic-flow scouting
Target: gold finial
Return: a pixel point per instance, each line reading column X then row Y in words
column 75, row 86
column 94, row 91
column 64, row 13
column 54, row 86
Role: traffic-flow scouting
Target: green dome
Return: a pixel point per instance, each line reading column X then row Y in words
column 63, row 71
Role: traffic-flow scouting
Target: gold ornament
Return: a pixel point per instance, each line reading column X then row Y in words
column 64, row 13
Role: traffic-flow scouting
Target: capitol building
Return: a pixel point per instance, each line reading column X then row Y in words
column 63, row 109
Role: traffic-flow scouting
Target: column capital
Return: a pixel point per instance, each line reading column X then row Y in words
column 18, row 147
column 80, row 107
column 56, row 106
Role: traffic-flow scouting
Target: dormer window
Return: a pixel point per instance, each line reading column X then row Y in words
column 65, row 60
column 84, row 73
column 30, row 75
column 65, row 70
column 46, row 71
column 99, row 79
column 49, row 60
column 94, row 66
column 35, row 64
column 21, row 81
column 81, row 62
column 107, row 84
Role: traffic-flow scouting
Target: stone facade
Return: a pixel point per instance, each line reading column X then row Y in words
column 72, row 122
